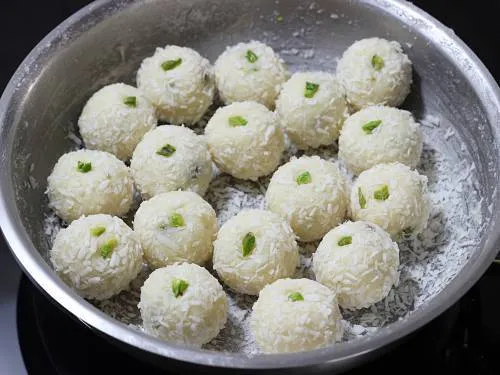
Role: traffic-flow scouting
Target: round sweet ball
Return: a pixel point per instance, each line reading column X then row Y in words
column 179, row 82
column 311, row 194
column 394, row 197
column 184, row 304
column 97, row 255
column 250, row 72
column 171, row 158
column 245, row 140
column 178, row 226
column 88, row 182
column 359, row 262
column 377, row 135
column 375, row 71
column 115, row 119
column 312, row 108
column 254, row 248
column 293, row 315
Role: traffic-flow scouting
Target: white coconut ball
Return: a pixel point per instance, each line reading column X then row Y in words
column 253, row 249
column 375, row 71
column 171, row 158
column 359, row 262
column 183, row 303
column 311, row 194
column 245, row 140
column 293, row 315
column 179, row 82
column 97, row 255
column 87, row 182
column 377, row 135
column 115, row 119
column 392, row 196
column 178, row 226
column 250, row 72
column 312, row 108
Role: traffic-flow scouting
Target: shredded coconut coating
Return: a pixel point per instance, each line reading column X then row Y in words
column 398, row 138
column 108, row 124
column 248, row 151
column 240, row 80
column 316, row 121
column 428, row 262
column 364, row 84
column 281, row 325
column 361, row 272
column 182, row 94
column 188, row 168
column 107, row 188
column 275, row 255
column 312, row 209
column 77, row 258
column 193, row 318
column 164, row 244
column 406, row 210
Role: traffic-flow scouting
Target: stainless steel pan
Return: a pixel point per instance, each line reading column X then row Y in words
column 105, row 42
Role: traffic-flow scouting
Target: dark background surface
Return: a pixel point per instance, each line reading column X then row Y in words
column 466, row 339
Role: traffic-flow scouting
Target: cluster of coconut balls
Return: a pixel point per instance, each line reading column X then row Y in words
column 175, row 230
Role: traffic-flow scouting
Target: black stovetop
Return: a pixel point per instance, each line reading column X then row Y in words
column 465, row 339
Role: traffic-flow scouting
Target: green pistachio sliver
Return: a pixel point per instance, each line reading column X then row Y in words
column 176, row 220
column 361, row 199
column 346, row 240
column 235, row 121
column 381, row 194
column 251, row 56
column 97, row 231
column 370, row 126
column 407, row 232
column 377, row 62
column 167, row 150
column 311, row 89
column 84, row 167
column 107, row 249
column 248, row 244
column 279, row 18
column 171, row 64
column 295, row 296
column 179, row 287
column 130, row 101
column 304, row 178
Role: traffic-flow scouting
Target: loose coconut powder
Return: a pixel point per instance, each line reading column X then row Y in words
column 428, row 263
